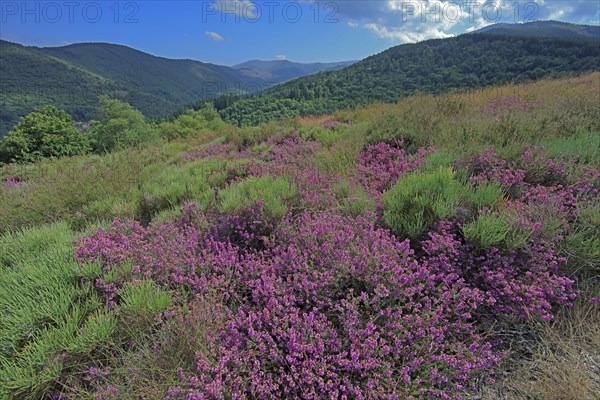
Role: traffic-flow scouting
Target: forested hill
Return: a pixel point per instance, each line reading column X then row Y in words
column 544, row 28
column 72, row 77
column 276, row 71
column 433, row 66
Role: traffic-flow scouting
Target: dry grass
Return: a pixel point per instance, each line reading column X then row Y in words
column 564, row 362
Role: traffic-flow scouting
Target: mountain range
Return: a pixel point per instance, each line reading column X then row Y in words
column 495, row 55
column 277, row 71
column 72, row 77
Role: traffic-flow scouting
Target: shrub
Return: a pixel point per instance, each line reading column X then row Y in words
column 140, row 303
column 419, row 199
column 380, row 165
column 122, row 126
column 341, row 157
column 326, row 137
column 487, row 231
column 166, row 187
column 48, row 132
column 353, row 200
column 192, row 123
column 50, row 320
column 275, row 193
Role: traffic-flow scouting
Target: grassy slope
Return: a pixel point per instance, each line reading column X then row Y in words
column 73, row 191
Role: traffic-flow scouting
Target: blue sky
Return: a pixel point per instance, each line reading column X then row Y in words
column 232, row 31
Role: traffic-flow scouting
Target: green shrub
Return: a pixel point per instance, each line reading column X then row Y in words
column 122, row 126
column 48, row 132
column 247, row 137
column 419, row 199
column 582, row 245
column 583, row 144
column 487, row 231
column 485, row 196
column 437, row 159
column 275, row 192
column 342, row 156
column 140, row 304
column 326, row 137
column 192, row 123
column 354, row 201
column 167, row 187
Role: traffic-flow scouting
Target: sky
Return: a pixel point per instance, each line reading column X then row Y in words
column 228, row 32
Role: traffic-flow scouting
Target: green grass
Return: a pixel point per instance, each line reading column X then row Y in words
column 275, row 192
column 48, row 315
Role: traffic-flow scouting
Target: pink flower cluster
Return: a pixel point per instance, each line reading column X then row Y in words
column 335, row 306
column 318, row 304
column 380, row 165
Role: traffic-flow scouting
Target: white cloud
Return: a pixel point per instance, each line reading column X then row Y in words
column 415, row 20
column 214, row 36
column 406, row 36
column 281, row 57
column 242, row 8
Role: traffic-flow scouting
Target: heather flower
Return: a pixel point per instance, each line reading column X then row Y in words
column 12, row 183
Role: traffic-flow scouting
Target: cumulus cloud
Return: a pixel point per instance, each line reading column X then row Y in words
column 214, row 36
column 415, row 20
column 281, row 57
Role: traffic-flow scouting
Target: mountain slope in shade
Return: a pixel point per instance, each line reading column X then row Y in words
column 277, row 71
column 543, row 28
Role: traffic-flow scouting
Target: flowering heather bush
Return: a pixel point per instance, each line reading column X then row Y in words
column 380, row 165
column 12, row 183
column 335, row 307
column 316, row 300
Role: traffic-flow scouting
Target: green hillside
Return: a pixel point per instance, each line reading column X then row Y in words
column 284, row 70
column 433, row 66
column 72, row 77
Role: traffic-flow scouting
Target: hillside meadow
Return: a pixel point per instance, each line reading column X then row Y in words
column 439, row 247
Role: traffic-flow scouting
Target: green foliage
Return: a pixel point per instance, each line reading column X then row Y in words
column 50, row 317
column 275, row 192
column 436, row 160
column 419, row 199
column 192, row 123
column 122, row 126
column 166, row 187
column 342, row 156
column 485, row 196
column 583, row 145
column 247, row 137
column 487, row 231
column 141, row 303
column 72, row 77
column 48, row 132
column 326, row 137
column 431, row 67
column 582, row 245
column 354, row 201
